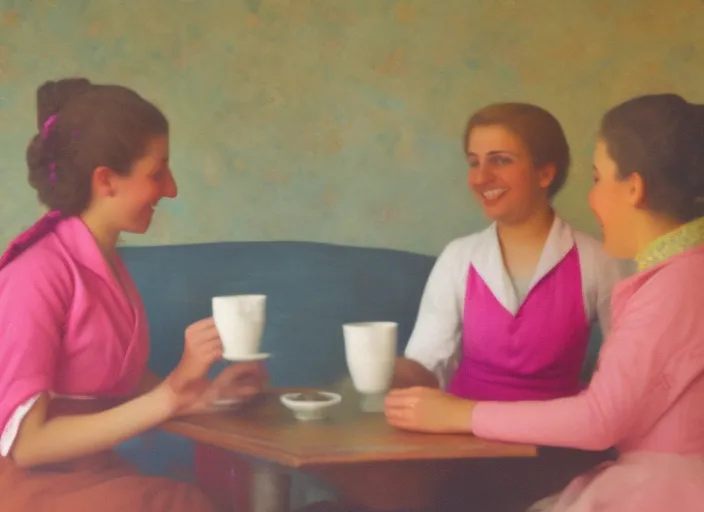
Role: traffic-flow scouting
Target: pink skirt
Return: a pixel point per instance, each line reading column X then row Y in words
column 636, row 482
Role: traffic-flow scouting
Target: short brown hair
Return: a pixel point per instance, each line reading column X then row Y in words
column 537, row 128
column 660, row 137
column 83, row 126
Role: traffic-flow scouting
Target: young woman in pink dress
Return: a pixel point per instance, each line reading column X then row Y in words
column 72, row 323
column 646, row 394
column 507, row 313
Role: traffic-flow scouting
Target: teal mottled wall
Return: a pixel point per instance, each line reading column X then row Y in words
column 338, row 120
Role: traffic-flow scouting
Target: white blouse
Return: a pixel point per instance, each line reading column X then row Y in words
column 436, row 339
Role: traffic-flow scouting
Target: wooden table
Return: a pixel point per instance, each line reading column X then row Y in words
column 371, row 463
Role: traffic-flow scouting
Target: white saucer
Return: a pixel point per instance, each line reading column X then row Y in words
column 227, row 402
column 250, row 357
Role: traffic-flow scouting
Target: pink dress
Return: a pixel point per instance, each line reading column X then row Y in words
column 57, row 297
column 68, row 328
column 645, row 397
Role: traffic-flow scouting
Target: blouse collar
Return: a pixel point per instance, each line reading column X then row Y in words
column 685, row 237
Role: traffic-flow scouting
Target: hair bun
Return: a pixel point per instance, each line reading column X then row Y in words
column 661, row 137
column 95, row 125
column 52, row 96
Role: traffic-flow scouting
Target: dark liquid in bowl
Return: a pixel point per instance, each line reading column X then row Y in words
column 310, row 396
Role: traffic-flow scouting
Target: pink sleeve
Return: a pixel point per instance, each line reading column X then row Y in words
column 629, row 387
column 34, row 299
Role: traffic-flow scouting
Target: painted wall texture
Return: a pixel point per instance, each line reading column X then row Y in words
column 338, row 120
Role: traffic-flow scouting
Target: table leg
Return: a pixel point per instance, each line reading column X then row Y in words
column 388, row 486
column 271, row 488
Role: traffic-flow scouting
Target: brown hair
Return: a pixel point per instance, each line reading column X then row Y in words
column 537, row 128
column 660, row 137
column 83, row 126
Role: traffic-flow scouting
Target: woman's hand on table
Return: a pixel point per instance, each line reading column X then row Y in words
column 188, row 388
column 428, row 410
column 238, row 383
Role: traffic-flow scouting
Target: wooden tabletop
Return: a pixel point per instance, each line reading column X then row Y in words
column 268, row 431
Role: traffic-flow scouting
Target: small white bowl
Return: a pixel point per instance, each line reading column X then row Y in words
column 310, row 410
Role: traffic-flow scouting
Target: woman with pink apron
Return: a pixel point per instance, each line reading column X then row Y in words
column 507, row 313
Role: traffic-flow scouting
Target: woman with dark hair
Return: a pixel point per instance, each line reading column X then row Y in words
column 72, row 322
column 646, row 395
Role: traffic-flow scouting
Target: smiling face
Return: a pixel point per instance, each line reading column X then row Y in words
column 502, row 175
column 127, row 202
column 149, row 182
column 614, row 202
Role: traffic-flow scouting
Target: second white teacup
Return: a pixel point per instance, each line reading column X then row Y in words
column 240, row 321
column 370, row 350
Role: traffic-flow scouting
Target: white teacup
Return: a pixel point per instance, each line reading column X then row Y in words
column 240, row 321
column 370, row 350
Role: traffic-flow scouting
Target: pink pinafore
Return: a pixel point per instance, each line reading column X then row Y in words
column 536, row 354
